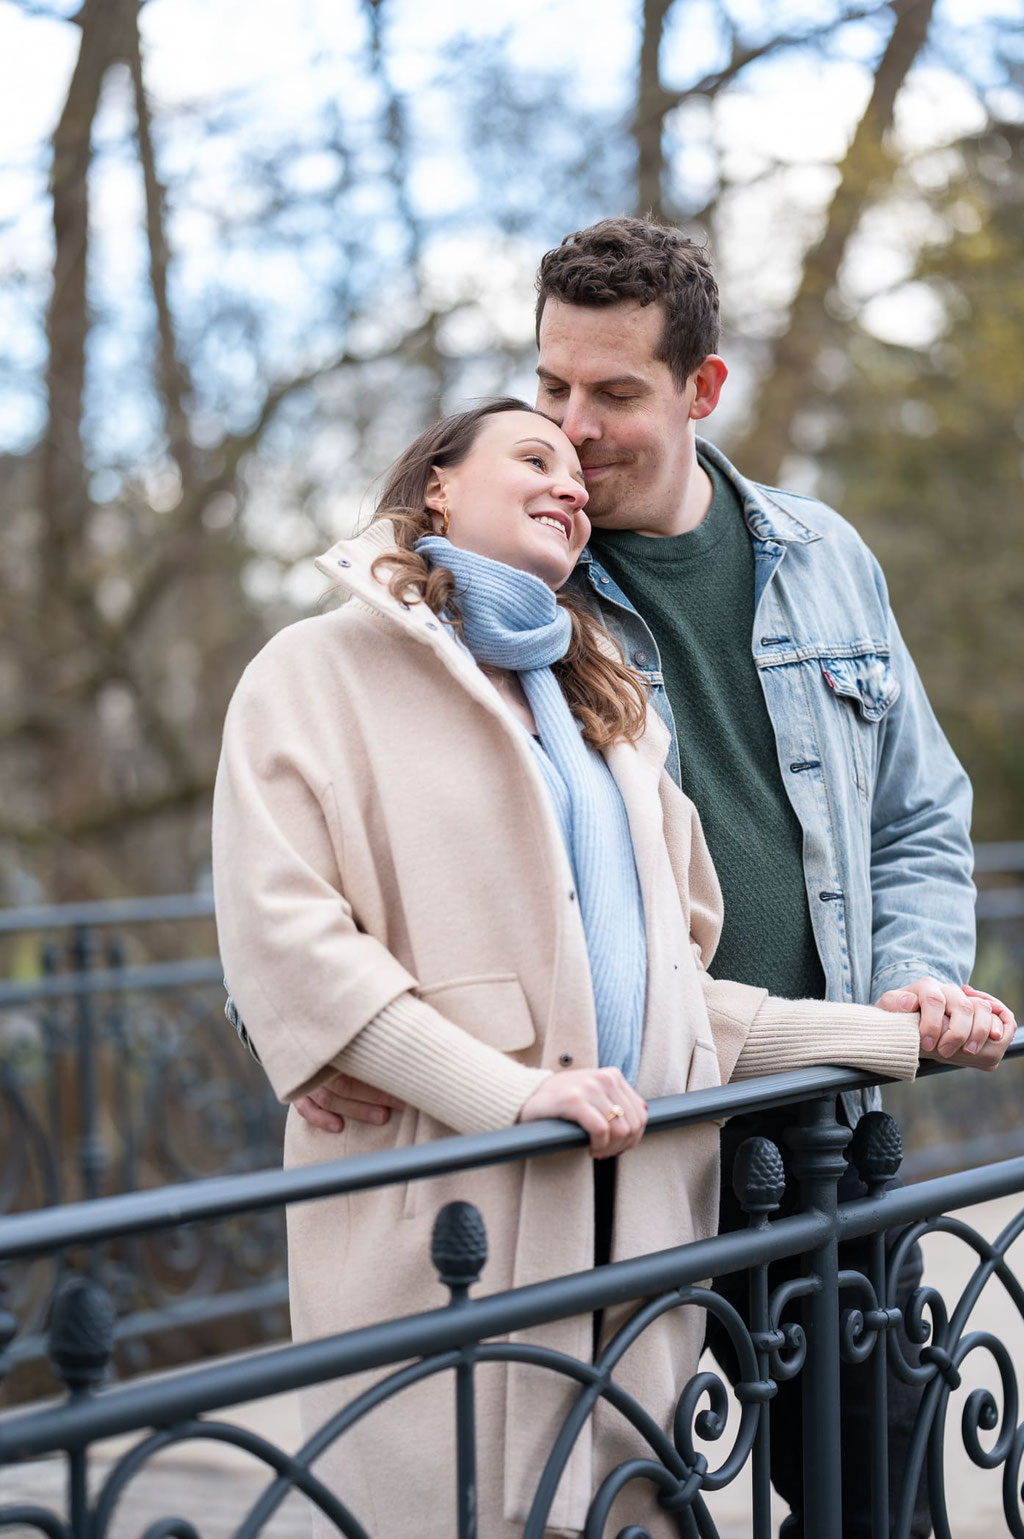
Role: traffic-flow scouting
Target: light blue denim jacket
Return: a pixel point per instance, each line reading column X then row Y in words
column 883, row 802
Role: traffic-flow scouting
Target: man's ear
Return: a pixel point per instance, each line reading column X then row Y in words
column 435, row 497
column 708, row 379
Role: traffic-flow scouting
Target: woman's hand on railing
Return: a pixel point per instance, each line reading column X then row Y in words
column 601, row 1100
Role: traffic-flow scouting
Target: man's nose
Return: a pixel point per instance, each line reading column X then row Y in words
column 579, row 423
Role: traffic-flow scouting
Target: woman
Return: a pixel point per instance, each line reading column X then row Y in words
column 468, row 879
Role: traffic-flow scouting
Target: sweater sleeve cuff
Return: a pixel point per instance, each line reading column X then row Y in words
column 795, row 1033
column 413, row 1052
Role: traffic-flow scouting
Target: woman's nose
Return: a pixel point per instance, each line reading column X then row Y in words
column 571, row 492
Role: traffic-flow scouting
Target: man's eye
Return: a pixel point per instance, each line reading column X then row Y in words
column 613, row 395
column 553, row 390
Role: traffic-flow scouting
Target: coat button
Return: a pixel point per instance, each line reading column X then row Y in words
column 565, row 1059
column 343, row 562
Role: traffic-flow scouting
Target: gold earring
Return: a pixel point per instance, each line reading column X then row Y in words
column 444, row 519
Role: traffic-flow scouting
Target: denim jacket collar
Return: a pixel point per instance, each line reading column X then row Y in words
column 769, row 512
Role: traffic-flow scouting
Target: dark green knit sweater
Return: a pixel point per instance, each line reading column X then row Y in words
column 696, row 592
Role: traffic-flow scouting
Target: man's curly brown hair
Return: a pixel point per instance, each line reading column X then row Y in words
column 634, row 259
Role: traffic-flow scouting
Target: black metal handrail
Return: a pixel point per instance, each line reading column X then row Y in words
column 462, row 1334
column 32, row 1433
column 471, row 1331
column 123, row 1028
column 133, row 1213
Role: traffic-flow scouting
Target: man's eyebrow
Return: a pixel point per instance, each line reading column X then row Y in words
column 577, row 475
column 636, row 381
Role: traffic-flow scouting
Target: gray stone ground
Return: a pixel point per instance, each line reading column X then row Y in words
column 213, row 1485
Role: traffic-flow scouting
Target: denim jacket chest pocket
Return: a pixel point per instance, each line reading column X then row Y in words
column 862, row 689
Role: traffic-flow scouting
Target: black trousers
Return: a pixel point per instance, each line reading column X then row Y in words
column 855, row 1378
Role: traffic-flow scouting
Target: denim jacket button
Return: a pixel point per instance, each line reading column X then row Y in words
column 640, row 657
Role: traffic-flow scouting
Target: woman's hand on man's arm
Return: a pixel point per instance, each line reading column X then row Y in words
column 586, row 1096
column 343, row 1096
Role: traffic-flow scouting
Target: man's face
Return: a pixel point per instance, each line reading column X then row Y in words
column 631, row 424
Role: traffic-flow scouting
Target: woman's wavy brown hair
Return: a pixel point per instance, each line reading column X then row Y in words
column 609, row 698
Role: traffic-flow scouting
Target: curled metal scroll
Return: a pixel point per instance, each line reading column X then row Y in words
column 941, row 1333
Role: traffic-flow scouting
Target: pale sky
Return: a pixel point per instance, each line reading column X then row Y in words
column 284, row 62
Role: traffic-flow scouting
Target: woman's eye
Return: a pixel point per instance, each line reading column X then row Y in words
column 538, row 460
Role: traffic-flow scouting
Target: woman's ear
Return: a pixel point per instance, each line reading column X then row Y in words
column 434, row 497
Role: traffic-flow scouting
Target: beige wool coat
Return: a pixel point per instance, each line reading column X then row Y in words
column 381, row 828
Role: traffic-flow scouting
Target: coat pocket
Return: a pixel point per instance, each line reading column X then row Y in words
column 864, row 689
column 492, row 1008
column 705, row 1072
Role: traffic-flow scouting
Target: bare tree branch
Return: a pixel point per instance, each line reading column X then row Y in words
column 789, row 382
column 743, row 56
column 167, row 563
column 172, row 377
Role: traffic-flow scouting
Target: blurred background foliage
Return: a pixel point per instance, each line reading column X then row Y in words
column 255, row 248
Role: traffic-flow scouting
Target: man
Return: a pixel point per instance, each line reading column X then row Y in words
column 835, row 811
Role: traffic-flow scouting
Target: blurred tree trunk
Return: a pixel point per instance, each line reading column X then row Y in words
column 788, row 383
column 653, row 103
column 62, row 616
column 64, row 499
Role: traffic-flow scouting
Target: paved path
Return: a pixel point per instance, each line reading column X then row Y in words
column 214, row 1484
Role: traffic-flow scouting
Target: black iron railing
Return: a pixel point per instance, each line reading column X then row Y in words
column 118, row 1072
column 802, row 1329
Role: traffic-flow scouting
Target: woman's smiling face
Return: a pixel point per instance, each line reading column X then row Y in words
column 517, row 497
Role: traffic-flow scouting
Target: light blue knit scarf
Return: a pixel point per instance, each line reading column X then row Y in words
column 512, row 620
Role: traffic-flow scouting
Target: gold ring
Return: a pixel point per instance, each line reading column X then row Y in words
column 616, row 1111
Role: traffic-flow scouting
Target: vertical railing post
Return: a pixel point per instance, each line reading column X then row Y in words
column 459, row 1250
column 759, row 1180
column 91, row 1154
column 81, row 1344
column 876, row 1152
column 50, row 1021
column 817, row 1162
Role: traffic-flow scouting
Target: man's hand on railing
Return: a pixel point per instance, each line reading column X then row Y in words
column 328, row 1106
column 962, row 1026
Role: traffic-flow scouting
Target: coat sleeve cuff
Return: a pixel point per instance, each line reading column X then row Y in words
column 796, row 1033
column 732, row 1008
column 415, row 1053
